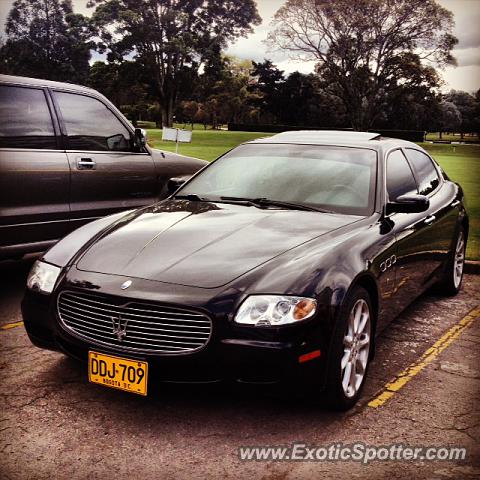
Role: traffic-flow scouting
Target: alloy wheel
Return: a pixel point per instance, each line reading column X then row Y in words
column 356, row 344
column 459, row 260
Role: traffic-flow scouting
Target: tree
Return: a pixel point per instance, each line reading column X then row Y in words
column 450, row 118
column 364, row 48
column 297, row 95
column 189, row 110
column 268, row 82
column 466, row 105
column 413, row 103
column 476, row 113
column 170, row 37
column 46, row 39
column 229, row 97
column 125, row 84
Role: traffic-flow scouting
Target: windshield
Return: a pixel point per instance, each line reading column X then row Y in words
column 338, row 179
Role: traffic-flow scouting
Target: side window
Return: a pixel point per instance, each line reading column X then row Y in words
column 425, row 171
column 25, row 120
column 91, row 125
column 400, row 180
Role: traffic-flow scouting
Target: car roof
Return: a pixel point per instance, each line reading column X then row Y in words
column 336, row 137
column 37, row 82
column 325, row 135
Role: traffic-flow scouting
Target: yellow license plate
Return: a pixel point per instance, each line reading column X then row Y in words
column 118, row 372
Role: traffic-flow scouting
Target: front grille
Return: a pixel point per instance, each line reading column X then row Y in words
column 134, row 325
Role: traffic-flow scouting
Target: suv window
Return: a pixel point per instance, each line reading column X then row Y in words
column 425, row 171
column 400, row 179
column 91, row 125
column 25, row 120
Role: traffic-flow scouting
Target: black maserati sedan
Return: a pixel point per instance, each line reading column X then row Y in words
column 279, row 262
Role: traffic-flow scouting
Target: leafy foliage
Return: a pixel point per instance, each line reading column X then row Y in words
column 165, row 60
column 368, row 48
column 47, row 40
column 466, row 105
column 170, row 37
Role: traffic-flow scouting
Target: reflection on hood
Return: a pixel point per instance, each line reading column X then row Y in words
column 170, row 241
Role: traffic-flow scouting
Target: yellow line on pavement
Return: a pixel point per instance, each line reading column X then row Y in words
column 428, row 356
column 8, row 326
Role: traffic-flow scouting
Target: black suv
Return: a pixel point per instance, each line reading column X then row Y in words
column 68, row 156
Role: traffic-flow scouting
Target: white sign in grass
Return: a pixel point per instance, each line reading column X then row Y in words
column 176, row 135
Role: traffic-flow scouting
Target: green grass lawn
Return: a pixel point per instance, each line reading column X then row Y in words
column 206, row 144
column 461, row 162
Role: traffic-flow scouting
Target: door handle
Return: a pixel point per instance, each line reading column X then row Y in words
column 429, row 220
column 454, row 204
column 86, row 164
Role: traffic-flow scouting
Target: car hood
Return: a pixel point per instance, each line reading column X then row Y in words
column 203, row 244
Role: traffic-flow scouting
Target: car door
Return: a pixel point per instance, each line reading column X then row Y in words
column 34, row 171
column 442, row 216
column 108, row 175
column 413, row 234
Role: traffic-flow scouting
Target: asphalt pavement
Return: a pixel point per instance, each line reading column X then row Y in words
column 423, row 390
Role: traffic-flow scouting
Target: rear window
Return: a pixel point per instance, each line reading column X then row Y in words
column 425, row 171
column 25, row 120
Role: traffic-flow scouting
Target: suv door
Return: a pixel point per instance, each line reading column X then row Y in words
column 108, row 175
column 34, row 171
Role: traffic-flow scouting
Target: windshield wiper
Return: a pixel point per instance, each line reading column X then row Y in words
column 256, row 202
column 266, row 202
column 292, row 205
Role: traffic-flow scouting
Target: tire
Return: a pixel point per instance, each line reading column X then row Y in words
column 350, row 350
column 451, row 281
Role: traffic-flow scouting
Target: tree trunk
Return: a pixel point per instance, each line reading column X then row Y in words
column 166, row 109
column 171, row 105
column 167, row 116
column 164, row 117
column 356, row 117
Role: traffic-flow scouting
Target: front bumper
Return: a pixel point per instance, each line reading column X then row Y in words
column 243, row 354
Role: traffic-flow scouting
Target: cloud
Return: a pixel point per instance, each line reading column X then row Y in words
column 462, row 78
column 468, row 32
column 467, row 56
column 5, row 6
column 467, row 18
column 289, row 66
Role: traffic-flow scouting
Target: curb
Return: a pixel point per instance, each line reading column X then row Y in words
column 472, row 266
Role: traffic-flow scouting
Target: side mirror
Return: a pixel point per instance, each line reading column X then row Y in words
column 117, row 143
column 175, row 183
column 140, row 138
column 408, row 204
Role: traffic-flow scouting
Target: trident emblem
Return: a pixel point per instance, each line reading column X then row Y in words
column 119, row 330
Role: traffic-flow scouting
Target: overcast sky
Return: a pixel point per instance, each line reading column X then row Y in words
column 467, row 18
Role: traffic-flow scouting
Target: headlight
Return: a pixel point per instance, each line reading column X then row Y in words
column 42, row 277
column 272, row 310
